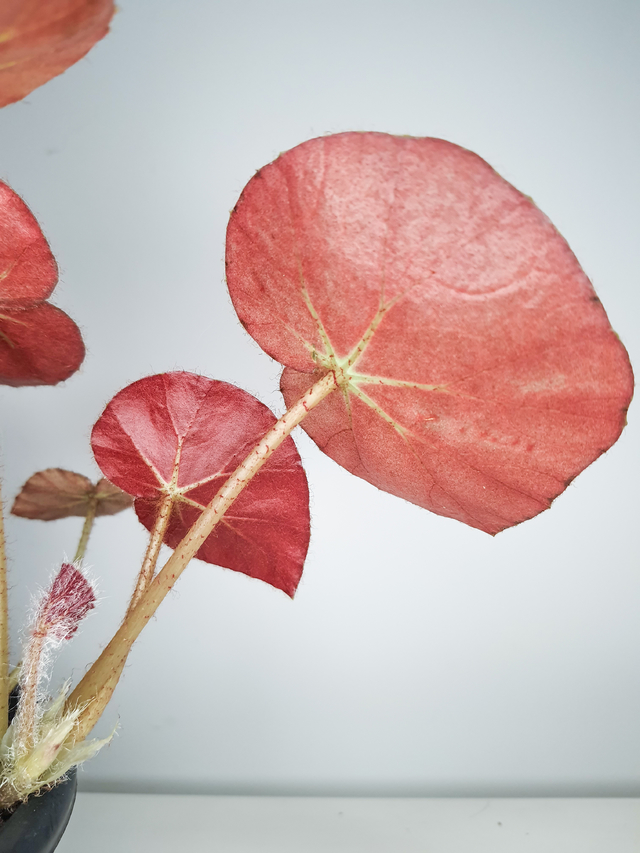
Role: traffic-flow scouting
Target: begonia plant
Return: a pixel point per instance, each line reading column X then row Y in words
column 438, row 338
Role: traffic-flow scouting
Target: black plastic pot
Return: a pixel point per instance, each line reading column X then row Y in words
column 38, row 825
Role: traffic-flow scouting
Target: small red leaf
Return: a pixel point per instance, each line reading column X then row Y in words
column 55, row 493
column 183, row 434
column 40, row 39
column 479, row 371
column 39, row 344
column 68, row 600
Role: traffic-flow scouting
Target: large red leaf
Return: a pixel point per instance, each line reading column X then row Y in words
column 39, row 344
column 40, row 39
column 183, row 434
column 479, row 371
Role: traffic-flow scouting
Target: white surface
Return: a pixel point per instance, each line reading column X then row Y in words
column 420, row 656
column 117, row 823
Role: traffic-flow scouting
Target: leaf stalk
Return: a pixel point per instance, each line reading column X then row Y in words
column 4, row 630
column 25, row 722
column 156, row 538
column 89, row 518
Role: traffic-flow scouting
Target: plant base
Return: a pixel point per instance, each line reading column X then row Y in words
column 38, row 825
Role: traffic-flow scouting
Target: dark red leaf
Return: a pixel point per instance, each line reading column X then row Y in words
column 39, row 344
column 40, row 39
column 55, row 493
column 183, row 434
column 68, row 600
column 480, row 373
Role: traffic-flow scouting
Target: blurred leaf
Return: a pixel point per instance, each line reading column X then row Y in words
column 56, row 493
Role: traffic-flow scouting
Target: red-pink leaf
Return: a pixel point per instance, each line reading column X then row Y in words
column 40, row 39
column 55, row 493
column 68, row 600
column 28, row 271
column 183, row 434
column 479, row 371
column 39, row 344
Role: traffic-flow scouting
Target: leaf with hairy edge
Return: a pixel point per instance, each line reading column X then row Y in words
column 40, row 39
column 183, row 435
column 39, row 343
column 55, row 493
column 478, row 368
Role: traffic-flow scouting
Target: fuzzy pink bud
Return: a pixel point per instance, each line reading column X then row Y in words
column 67, row 602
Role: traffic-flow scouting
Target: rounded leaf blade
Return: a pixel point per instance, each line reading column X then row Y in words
column 38, row 346
column 479, row 371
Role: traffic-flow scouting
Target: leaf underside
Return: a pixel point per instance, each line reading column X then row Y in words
column 184, row 435
column 479, row 373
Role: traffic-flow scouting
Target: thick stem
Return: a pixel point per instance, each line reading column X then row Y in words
column 4, row 631
column 89, row 518
column 94, row 710
column 153, row 550
column 95, row 689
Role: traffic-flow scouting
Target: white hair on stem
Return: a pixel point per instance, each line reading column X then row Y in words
column 33, row 751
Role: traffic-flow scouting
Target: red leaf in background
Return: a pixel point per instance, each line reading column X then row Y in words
column 39, row 344
column 67, row 601
column 184, row 434
column 55, row 493
column 480, row 373
column 40, row 39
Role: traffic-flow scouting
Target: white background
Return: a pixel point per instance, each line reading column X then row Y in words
column 419, row 656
